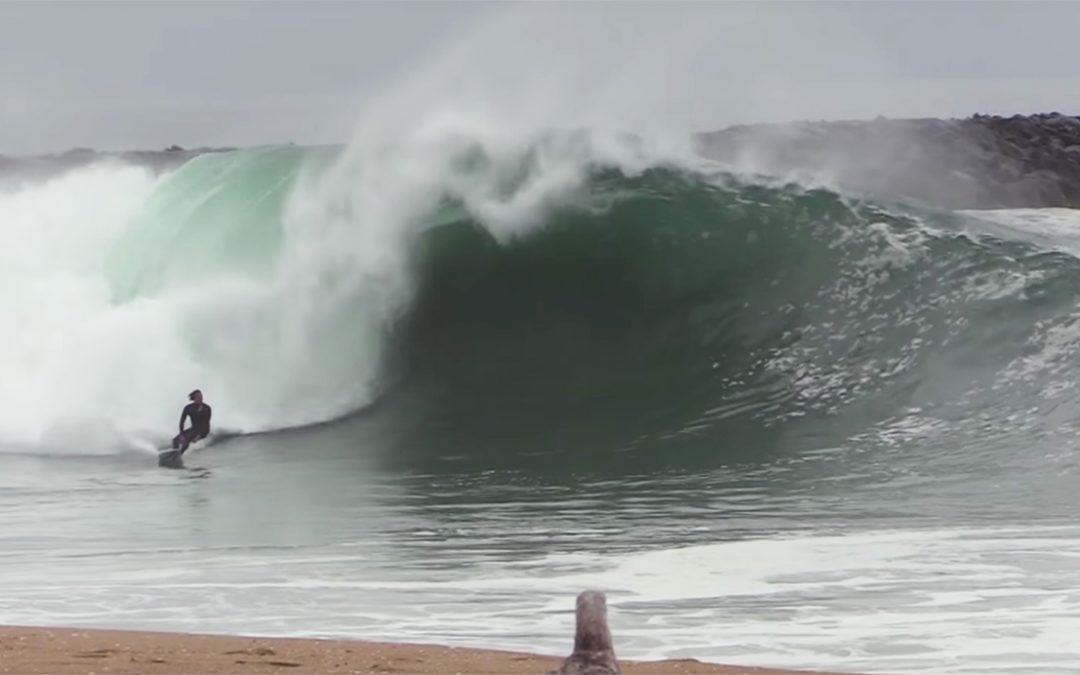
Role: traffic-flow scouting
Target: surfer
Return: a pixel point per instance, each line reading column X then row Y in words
column 199, row 413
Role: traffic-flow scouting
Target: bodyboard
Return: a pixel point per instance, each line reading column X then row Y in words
column 170, row 459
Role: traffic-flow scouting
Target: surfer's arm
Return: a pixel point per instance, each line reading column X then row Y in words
column 183, row 416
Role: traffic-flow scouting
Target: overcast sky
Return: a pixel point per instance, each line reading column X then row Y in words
column 147, row 75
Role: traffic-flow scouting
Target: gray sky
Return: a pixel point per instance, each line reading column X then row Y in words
column 149, row 74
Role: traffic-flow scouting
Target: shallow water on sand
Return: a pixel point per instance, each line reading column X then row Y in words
column 822, row 560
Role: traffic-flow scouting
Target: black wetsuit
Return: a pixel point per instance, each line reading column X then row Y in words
column 200, row 425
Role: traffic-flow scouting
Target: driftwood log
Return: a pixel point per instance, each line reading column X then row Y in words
column 594, row 653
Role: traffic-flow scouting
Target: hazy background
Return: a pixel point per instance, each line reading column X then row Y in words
column 148, row 75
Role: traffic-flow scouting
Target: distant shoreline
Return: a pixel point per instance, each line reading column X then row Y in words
column 69, row 651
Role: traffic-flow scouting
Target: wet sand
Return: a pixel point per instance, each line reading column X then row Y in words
column 72, row 650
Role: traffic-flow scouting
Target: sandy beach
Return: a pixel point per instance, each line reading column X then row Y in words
column 71, row 650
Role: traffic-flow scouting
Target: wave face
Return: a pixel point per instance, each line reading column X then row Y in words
column 569, row 295
column 681, row 319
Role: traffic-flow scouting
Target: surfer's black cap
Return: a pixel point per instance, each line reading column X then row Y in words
column 191, row 396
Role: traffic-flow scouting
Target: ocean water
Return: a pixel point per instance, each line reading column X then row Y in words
column 461, row 378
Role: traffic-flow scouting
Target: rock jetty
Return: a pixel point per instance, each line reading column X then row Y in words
column 980, row 162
